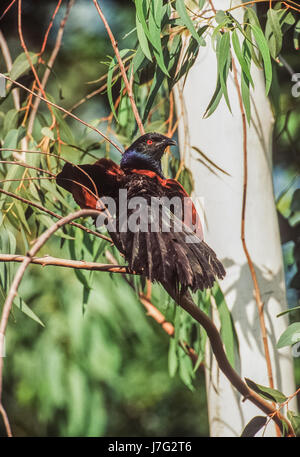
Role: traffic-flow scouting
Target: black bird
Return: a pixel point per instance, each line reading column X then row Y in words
column 164, row 245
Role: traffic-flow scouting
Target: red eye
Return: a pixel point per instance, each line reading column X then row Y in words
column 149, row 141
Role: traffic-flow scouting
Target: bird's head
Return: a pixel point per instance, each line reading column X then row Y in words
column 146, row 152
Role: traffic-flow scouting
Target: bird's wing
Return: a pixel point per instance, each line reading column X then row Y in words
column 87, row 183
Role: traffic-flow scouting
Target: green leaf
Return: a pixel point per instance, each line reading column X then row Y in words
column 245, row 83
column 155, row 17
column 110, row 73
column 266, row 392
column 20, row 210
column 244, row 63
column 156, row 84
column 265, row 53
column 180, row 8
column 47, row 132
column 215, row 100
column 296, row 35
column 142, row 37
column 19, row 303
column 273, row 32
column 21, row 64
column 290, row 336
column 141, row 11
column 288, row 311
column 227, row 330
column 10, row 121
column 221, row 17
column 254, row 426
column 295, row 421
column 223, row 57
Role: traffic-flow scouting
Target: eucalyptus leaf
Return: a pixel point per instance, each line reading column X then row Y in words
column 266, row 392
column 290, row 336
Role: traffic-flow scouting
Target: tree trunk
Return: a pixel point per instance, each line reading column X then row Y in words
column 220, row 137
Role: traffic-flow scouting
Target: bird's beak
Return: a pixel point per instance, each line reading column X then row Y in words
column 171, row 142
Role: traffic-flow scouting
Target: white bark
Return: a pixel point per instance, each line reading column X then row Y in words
column 220, row 137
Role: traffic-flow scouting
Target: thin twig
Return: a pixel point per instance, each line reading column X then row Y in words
column 25, row 165
column 49, row 66
column 37, row 79
column 259, row 303
column 49, row 28
column 7, row 9
column 258, row 299
column 57, row 216
column 64, row 111
column 48, row 260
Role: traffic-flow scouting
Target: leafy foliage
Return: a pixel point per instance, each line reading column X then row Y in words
column 82, row 373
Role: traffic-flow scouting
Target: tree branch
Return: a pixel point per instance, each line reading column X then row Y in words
column 48, row 260
column 186, row 302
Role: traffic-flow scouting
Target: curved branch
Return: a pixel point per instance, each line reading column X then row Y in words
column 48, row 260
column 186, row 302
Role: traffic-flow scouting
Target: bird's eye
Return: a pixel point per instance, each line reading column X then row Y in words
column 149, row 141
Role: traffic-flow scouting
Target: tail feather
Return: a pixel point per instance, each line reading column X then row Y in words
column 169, row 256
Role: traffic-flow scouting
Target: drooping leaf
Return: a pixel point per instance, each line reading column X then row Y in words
column 21, row 64
column 181, row 9
column 19, row 303
column 290, row 336
column 254, row 426
column 142, row 37
column 245, row 82
column 288, row 311
column 215, row 100
column 223, row 58
column 266, row 392
column 155, row 17
column 244, row 63
column 295, row 421
column 265, row 53
column 273, row 32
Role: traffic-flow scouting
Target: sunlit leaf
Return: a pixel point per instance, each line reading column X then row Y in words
column 290, row 336
column 180, row 8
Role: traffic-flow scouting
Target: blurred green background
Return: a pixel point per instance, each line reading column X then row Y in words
column 104, row 371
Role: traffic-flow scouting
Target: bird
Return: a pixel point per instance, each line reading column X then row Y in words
column 165, row 245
